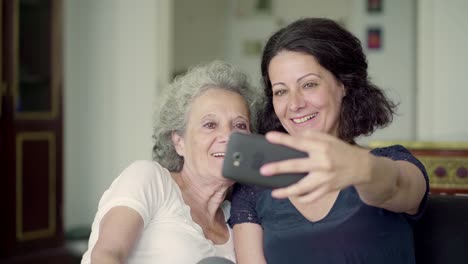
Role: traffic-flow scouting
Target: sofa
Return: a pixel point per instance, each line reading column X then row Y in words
column 441, row 235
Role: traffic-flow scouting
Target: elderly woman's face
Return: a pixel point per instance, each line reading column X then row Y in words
column 305, row 95
column 213, row 116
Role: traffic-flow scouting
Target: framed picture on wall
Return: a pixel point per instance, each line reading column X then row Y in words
column 374, row 38
column 374, row 6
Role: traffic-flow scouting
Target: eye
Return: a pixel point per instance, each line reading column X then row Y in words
column 241, row 126
column 310, row 85
column 279, row 92
column 210, row 125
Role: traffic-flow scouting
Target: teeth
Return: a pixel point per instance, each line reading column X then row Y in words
column 218, row 154
column 303, row 119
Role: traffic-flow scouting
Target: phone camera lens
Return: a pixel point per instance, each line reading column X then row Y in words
column 236, row 156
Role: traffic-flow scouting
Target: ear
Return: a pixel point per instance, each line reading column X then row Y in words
column 343, row 89
column 178, row 142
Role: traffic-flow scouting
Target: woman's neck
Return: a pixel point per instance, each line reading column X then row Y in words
column 201, row 194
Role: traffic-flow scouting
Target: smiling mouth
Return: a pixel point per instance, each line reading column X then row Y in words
column 218, row 155
column 303, row 119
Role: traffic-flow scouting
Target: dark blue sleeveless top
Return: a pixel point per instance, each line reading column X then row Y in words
column 352, row 232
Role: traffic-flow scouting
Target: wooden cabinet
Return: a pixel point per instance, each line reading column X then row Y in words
column 31, row 132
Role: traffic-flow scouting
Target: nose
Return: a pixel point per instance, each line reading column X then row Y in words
column 224, row 132
column 296, row 100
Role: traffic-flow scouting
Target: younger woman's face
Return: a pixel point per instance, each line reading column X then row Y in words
column 305, row 94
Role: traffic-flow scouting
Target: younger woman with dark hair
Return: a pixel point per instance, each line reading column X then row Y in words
column 355, row 205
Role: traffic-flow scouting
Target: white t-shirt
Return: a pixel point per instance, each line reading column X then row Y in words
column 170, row 235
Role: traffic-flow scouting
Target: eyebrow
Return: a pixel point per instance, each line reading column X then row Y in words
column 299, row 79
column 210, row 115
column 246, row 118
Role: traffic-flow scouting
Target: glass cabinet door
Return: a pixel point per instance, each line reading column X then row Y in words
column 34, row 89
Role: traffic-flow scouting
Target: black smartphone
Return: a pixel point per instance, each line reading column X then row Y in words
column 246, row 153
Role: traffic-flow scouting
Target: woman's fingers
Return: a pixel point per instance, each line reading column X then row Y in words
column 313, row 196
column 310, row 141
column 307, row 185
column 292, row 190
column 298, row 143
column 288, row 166
column 332, row 165
column 315, row 160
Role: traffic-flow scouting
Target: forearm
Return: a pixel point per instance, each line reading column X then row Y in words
column 380, row 180
column 398, row 186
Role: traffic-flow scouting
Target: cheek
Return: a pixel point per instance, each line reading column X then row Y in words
column 339, row 94
column 205, row 142
column 327, row 99
column 339, row 99
column 278, row 105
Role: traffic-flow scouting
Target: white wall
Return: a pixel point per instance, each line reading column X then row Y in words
column 393, row 67
column 288, row 11
column 199, row 28
column 246, row 31
column 247, row 26
column 442, row 70
column 110, row 50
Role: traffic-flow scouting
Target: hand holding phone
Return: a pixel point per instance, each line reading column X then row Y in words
column 246, row 153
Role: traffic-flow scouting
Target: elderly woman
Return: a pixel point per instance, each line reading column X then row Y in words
column 173, row 209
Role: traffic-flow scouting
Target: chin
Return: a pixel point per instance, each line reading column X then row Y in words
column 303, row 130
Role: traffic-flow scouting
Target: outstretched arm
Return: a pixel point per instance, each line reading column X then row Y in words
column 332, row 165
column 398, row 186
column 119, row 231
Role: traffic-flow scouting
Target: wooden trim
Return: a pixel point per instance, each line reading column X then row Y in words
column 446, row 163
column 52, row 221
column 2, row 84
column 450, row 164
column 419, row 145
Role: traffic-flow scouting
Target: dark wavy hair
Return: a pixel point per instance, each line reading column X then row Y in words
column 364, row 107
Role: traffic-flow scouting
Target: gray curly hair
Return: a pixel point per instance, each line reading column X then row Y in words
column 174, row 108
